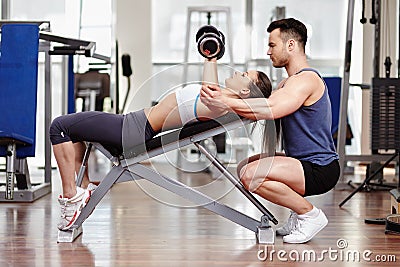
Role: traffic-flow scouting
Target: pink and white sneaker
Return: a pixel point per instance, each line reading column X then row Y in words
column 72, row 207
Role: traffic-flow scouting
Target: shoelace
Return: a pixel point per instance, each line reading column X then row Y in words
column 63, row 211
column 297, row 228
column 64, row 207
column 292, row 221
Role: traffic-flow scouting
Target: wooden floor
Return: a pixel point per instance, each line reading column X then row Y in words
column 139, row 225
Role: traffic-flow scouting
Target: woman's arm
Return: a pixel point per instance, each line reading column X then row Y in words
column 210, row 71
column 165, row 115
column 210, row 77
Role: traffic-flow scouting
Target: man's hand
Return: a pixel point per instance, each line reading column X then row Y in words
column 212, row 97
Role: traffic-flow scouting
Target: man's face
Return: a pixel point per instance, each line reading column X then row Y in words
column 277, row 49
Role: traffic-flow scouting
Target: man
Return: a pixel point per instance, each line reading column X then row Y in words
column 310, row 165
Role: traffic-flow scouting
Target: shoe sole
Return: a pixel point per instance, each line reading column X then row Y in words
column 281, row 234
column 308, row 239
column 78, row 211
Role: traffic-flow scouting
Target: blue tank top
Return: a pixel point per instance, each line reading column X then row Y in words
column 307, row 132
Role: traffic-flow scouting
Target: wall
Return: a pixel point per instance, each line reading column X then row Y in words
column 133, row 33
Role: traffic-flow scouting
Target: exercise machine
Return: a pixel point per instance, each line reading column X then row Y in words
column 384, row 105
column 21, row 43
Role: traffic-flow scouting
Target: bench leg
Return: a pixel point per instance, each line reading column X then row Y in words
column 265, row 233
column 83, row 167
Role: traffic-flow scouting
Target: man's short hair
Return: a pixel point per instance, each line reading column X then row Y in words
column 290, row 29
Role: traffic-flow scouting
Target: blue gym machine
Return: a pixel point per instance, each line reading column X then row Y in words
column 21, row 42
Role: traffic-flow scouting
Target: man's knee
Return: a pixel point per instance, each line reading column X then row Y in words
column 246, row 175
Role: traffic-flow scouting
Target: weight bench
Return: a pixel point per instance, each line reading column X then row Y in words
column 127, row 167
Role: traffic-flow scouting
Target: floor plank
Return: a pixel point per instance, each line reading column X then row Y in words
column 137, row 224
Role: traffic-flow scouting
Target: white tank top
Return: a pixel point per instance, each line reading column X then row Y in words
column 186, row 98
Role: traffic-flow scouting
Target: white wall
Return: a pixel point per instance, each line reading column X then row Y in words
column 133, row 33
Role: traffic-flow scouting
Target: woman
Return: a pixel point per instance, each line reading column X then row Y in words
column 118, row 132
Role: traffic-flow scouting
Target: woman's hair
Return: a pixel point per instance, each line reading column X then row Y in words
column 262, row 88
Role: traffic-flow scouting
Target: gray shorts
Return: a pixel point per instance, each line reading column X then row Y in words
column 136, row 130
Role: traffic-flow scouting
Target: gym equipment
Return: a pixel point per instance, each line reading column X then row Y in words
column 392, row 224
column 210, row 42
column 363, row 19
column 342, row 131
column 392, row 221
column 127, row 72
column 17, row 123
column 127, row 167
column 93, row 86
column 217, row 10
column 373, row 19
column 384, row 99
column 18, row 100
column 395, row 201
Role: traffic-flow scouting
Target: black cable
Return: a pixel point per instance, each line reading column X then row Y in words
column 373, row 19
column 363, row 19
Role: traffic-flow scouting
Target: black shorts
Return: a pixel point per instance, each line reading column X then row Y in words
column 320, row 179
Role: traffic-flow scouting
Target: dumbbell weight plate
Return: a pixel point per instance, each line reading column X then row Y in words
column 209, row 46
column 206, row 29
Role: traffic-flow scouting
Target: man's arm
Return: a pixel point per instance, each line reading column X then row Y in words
column 282, row 102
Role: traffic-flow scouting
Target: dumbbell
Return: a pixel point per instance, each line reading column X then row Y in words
column 210, row 42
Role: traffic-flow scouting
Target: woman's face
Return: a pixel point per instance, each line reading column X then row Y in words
column 240, row 80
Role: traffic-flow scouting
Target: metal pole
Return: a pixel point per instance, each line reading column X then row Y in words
column 341, row 140
column 249, row 29
column 84, row 165
column 186, row 51
column 10, row 171
column 377, row 44
column 47, row 118
column 5, row 9
column 236, row 183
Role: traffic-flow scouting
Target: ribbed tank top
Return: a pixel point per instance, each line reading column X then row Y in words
column 307, row 132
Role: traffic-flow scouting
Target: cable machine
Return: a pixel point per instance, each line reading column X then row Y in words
column 385, row 101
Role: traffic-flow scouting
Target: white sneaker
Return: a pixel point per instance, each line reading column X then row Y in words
column 289, row 225
column 72, row 207
column 306, row 228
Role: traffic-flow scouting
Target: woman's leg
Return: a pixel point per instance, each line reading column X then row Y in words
column 104, row 128
column 66, row 130
column 65, row 156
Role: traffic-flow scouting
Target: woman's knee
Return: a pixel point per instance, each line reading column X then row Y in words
column 58, row 132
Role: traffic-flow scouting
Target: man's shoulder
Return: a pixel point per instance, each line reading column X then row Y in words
column 304, row 77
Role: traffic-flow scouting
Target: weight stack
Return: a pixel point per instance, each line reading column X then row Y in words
column 385, row 114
